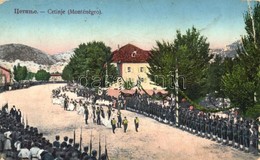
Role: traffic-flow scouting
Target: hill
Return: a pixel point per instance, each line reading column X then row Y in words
column 13, row 52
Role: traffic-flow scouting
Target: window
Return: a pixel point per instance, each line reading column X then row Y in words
column 141, row 69
column 128, row 69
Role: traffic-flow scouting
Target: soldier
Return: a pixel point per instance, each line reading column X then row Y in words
column 102, row 112
column 229, row 133
column 235, row 135
column 113, row 123
column 218, row 127
column 65, row 103
column 207, row 127
column 86, row 113
column 119, row 118
column 224, row 132
column 246, row 134
column 109, row 111
column 125, row 123
column 255, row 140
column 94, row 113
column 98, row 112
column 136, row 122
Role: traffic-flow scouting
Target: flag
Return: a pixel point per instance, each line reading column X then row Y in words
column 99, row 148
column 106, row 148
column 74, row 137
column 90, row 145
column 80, row 140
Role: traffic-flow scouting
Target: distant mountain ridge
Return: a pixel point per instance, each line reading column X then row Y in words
column 63, row 56
column 13, row 52
column 229, row 51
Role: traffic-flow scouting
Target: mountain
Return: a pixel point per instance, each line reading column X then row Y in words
column 228, row 51
column 13, row 52
column 63, row 56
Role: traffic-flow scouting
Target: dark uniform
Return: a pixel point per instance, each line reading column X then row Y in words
column 119, row 119
column 136, row 122
column 125, row 123
column 86, row 113
column 98, row 112
column 109, row 111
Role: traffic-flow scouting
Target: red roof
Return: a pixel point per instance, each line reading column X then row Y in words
column 130, row 54
column 3, row 68
column 55, row 74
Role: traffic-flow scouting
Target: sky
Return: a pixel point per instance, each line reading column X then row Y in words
column 118, row 22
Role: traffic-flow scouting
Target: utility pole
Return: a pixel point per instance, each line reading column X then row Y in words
column 177, row 92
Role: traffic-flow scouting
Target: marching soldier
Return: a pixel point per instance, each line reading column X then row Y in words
column 224, row 132
column 109, row 111
column 235, row 135
column 94, row 113
column 125, row 123
column 98, row 112
column 86, row 113
column 229, row 133
column 119, row 119
column 246, row 134
column 255, row 139
column 113, row 123
column 102, row 112
column 136, row 122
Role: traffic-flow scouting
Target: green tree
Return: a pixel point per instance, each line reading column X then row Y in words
column 214, row 75
column 30, row 76
column 20, row 73
column 128, row 84
column 90, row 63
column 67, row 73
column 42, row 75
column 243, row 82
column 188, row 53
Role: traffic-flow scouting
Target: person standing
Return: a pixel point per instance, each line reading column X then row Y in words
column 18, row 116
column 119, row 119
column 125, row 123
column 109, row 111
column 98, row 112
column 86, row 113
column 113, row 123
column 136, row 122
column 102, row 112
column 56, row 143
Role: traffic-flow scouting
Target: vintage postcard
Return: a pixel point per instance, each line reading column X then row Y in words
column 129, row 79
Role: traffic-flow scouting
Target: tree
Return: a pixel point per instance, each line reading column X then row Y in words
column 67, row 73
column 20, row 73
column 189, row 54
column 242, row 83
column 90, row 63
column 214, row 75
column 30, row 76
column 238, row 89
column 128, row 84
column 42, row 75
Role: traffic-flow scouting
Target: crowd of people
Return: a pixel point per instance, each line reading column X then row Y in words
column 91, row 109
column 18, row 140
column 230, row 129
column 226, row 129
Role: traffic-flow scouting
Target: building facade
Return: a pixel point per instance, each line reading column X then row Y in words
column 132, row 65
column 5, row 76
column 55, row 77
